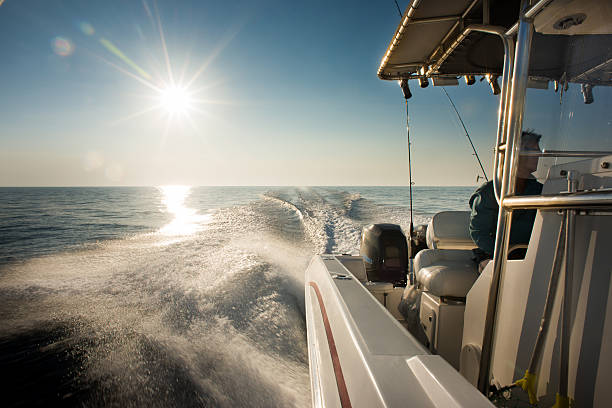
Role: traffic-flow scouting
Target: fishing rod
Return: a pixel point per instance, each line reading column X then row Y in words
column 466, row 134
column 398, row 8
column 407, row 95
column 409, row 165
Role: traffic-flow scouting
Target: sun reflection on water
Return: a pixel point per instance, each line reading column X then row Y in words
column 186, row 220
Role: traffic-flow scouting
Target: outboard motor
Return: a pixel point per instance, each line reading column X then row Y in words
column 385, row 253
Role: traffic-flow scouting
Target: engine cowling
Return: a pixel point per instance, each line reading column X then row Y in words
column 385, row 253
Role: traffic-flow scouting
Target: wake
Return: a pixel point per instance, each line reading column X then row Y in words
column 214, row 317
column 327, row 222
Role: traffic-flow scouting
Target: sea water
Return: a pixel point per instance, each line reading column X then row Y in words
column 173, row 296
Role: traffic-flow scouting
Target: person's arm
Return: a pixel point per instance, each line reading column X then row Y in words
column 483, row 220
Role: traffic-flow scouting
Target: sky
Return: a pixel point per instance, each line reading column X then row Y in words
column 269, row 93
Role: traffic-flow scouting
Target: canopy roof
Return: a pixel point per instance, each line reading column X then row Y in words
column 431, row 40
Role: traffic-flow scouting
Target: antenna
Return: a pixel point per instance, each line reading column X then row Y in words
column 467, row 135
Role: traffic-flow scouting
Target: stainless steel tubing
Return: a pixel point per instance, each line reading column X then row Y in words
column 481, row 28
column 502, row 236
column 434, row 19
column 599, row 199
column 530, row 13
column 515, row 115
column 566, row 330
column 567, row 153
column 550, row 297
column 509, row 127
column 517, row 105
column 504, row 103
column 452, row 30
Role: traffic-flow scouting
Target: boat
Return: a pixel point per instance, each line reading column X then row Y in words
column 411, row 321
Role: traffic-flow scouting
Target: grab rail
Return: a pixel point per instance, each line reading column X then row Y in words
column 514, row 117
column 597, row 199
column 532, row 12
column 567, row 153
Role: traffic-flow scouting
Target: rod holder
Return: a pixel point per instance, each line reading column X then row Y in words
column 492, row 80
column 403, row 83
column 587, row 93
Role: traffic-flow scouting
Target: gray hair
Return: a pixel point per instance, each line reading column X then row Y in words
column 530, row 135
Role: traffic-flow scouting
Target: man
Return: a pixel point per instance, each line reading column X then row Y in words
column 483, row 221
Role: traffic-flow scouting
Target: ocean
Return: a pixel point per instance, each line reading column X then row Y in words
column 173, row 296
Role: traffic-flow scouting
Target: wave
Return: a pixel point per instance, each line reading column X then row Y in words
column 211, row 315
column 350, row 201
column 328, row 224
column 213, row 318
column 285, row 203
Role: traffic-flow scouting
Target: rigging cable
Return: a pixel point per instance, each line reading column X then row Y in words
column 466, row 134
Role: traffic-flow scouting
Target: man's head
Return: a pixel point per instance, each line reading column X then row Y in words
column 530, row 142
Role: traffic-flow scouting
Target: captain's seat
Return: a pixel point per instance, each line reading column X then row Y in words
column 446, row 269
column 434, row 306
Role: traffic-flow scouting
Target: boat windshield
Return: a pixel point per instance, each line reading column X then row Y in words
column 574, row 114
column 567, row 124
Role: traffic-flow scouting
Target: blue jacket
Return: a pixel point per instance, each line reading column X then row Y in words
column 483, row 221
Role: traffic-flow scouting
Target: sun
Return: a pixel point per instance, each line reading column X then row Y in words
column 175, row 100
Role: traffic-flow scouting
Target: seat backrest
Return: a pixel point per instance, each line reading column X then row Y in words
column 446, row 272
column 450, row 230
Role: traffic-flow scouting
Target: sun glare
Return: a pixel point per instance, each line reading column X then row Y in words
column 186, row 220
column 175, row 100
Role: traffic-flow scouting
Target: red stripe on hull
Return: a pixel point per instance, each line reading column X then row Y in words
column 345, row 401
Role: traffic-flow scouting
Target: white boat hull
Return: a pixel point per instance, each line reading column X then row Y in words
column 361, row 356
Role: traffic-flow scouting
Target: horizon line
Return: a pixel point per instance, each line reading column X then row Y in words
column 232, row 185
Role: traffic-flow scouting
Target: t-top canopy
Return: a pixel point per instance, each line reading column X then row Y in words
column 572, row 40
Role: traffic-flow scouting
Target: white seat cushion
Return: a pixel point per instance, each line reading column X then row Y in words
column 446, row 272
column 450, row 230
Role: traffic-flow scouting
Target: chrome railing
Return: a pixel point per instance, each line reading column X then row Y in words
column 514, row 116
column 567, row 153
column 535, row 9
column 584, row 200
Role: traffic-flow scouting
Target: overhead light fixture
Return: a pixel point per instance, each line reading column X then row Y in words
column 537, row 83
column 444, row 81
column 492, row 80
column 403, row 83
column 587, row 93
column 470, row 79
